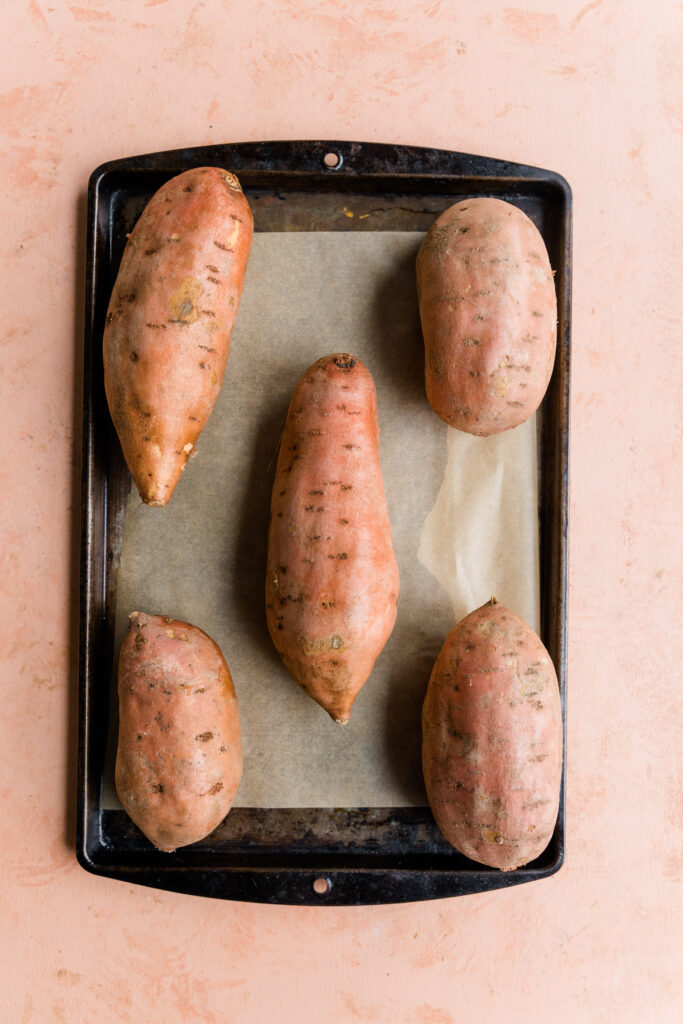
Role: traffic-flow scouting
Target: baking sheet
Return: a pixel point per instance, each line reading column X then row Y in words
column 463, row 512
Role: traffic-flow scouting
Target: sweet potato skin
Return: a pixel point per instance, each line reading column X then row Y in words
column 489, row 316
column 179, row 757
column 332, row 578
column 170, row 320
column 492, row 739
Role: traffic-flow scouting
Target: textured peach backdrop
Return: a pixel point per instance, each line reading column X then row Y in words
column 591, row 90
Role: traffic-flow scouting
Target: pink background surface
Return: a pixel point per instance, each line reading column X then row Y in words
column 591, row 90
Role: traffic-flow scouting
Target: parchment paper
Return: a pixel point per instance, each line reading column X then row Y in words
column 463, row 512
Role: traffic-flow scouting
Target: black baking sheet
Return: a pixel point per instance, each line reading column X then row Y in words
column 365, row 855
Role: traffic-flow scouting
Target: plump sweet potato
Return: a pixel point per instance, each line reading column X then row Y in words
column 492, row 739
column 170, row 320
column 332, row 578
column 179, row 757
column 489, row 316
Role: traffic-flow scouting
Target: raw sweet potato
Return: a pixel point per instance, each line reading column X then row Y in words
column 170, row 320
column 179, row 757
column 492, row 739
column 489, row 316
column 332, row 578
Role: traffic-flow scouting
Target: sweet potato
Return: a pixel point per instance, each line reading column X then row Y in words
column 179, row 757
column 332, row 578
column 489, row 316
column 492, row 739
column 170, row 320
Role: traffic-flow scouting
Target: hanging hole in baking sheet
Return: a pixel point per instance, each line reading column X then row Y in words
column 321, row 886
column 333, row 161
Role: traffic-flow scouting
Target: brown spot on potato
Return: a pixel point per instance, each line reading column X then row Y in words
column 311, row 647
column 159, row 719
column 492, row 835
column 464, row 742
column 183, row 301
column 204, row 737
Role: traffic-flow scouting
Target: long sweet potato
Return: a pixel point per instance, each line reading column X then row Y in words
column 489, row 315
column 170, row 320
column 492, row 739
column 179, row 757
column 332, row 578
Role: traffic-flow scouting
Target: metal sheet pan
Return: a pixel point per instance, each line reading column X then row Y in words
column 307, row 855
